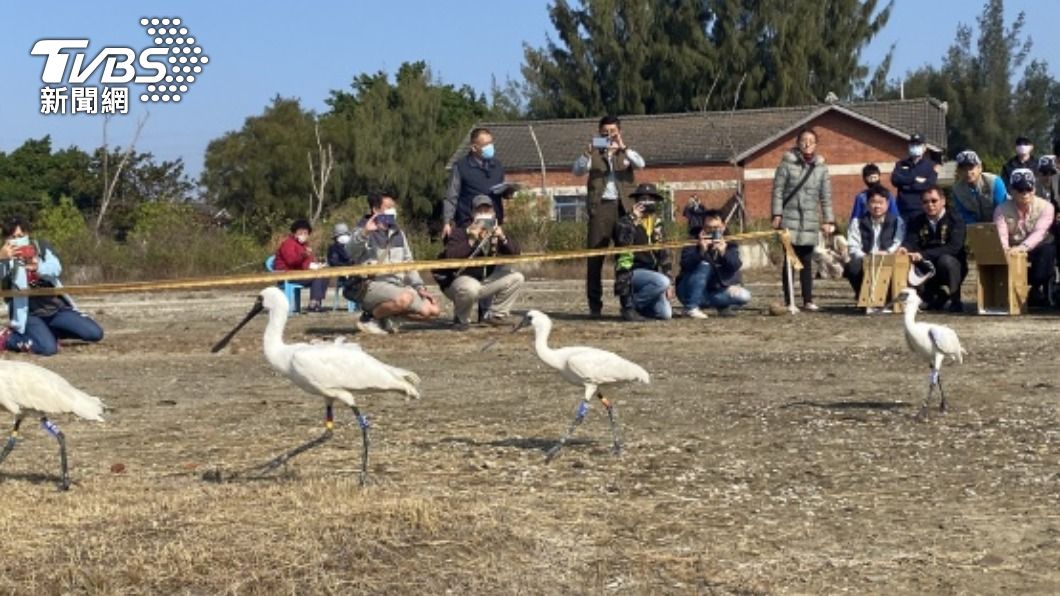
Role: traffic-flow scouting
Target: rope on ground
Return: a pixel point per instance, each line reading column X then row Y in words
column 253, row 279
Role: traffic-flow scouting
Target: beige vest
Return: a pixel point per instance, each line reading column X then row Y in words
column 1016, row 234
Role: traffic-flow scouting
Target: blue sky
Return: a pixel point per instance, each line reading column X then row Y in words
column 305, row 49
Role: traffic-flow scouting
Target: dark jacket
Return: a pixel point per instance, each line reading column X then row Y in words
column 1014, row 164
column 946, row 239
column 726, row 265
column 339, row 255
column 903, row 178
column 459, row 246
column 472, row 177
column 630, row 232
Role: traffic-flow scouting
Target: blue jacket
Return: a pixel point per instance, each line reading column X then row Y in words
column 48, row 269
column 861, row 205
column 904, row 179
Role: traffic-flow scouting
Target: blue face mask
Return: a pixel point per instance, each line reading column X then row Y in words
column 488, row 151
column 19, row 242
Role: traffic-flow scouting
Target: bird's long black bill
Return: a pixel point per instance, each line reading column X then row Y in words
column 524, row 322
column 257, row 308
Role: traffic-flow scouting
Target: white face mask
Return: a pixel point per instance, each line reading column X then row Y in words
column 391, row 211
column 1023, row 150
column 302, row 239
column 343, row 239
column 916, row 150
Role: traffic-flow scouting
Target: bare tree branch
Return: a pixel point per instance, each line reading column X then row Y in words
column 319, row 180
column 111, row 184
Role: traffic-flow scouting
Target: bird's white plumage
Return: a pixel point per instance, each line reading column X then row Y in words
column 336, row 370
column 26, row 387
column 935, row 343
column 580, row 365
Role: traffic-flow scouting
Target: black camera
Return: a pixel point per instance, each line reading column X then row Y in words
column 648, row 207
column 715, row 235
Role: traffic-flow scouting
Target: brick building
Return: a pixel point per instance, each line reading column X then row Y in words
column 712, row 154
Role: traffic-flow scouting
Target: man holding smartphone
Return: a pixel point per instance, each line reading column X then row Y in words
column 610, row 165
column 710, row 271
column 482, row 237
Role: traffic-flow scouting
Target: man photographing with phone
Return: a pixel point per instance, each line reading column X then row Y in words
column 610, row 165
column 710, row 271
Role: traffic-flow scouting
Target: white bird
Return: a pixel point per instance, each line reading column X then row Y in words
column 934, row 343
column 27, row 389
column 590, row 368
column 334, row 371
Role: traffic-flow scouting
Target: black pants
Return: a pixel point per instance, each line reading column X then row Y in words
column 602, row 223
column 1042, row 262
column 854, row 271
column 950, row 272
column 805, row 256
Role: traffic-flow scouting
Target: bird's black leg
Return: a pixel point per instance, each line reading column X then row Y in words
column 329, row 425
column 362, row 421
column 931, row 390
column 583, row 409
column 616, row 446
column 53, row 430
column 11, row 440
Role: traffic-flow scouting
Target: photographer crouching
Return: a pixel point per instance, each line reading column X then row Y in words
column 710, row 271
column 465, row 286
column 642, row 279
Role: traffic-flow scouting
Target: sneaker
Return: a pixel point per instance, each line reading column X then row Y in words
column 726, row 311
column 596, row 312
column 632, row 316
column 497, row 320
column 389, row 325
column 695, row 313
column 810, row 306
column 871, row 310
column 369, row 326
column 957, row 306
column 459, row 325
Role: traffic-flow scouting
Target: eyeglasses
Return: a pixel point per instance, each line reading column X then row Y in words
column 930, row 201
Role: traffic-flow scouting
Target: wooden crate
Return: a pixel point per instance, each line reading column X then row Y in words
column 1002, row 286
column 885, row 276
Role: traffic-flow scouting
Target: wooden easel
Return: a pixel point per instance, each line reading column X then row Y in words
column 1002, row 286
column 883, row 277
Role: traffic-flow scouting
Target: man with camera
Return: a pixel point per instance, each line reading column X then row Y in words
column 378, row 239
column 710, row 271
column 482, row 237
column 610, row 165
column 642, row 278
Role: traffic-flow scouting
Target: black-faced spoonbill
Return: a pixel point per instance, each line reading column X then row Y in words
column 30, row 389
column 331, row 370
column 591, row 368
column 934, row 343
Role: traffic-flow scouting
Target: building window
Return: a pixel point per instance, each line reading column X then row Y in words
column 568, row 208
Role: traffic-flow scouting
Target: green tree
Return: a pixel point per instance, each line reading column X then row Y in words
column 643, row 56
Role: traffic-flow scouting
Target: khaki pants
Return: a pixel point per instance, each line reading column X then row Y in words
column 502, row 285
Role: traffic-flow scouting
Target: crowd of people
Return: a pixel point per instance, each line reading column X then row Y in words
column 914, row 220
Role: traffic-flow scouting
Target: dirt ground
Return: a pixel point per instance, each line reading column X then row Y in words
column 768, row 455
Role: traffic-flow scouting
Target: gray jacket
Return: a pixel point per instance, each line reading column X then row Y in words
column 802, row 213
column 383, row 246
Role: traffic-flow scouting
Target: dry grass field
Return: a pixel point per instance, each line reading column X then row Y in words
column 769, row 455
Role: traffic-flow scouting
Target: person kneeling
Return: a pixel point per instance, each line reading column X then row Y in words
column 878, row 232
column 642, row 279
column 378, row 239
column 710, row 271
column 471, row 283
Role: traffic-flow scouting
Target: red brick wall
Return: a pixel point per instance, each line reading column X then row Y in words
column 846, row 143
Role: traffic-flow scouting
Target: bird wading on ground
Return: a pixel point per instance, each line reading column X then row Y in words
column 27, row 389
column 590, row 368
column 334, row 371
column 934, row 343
